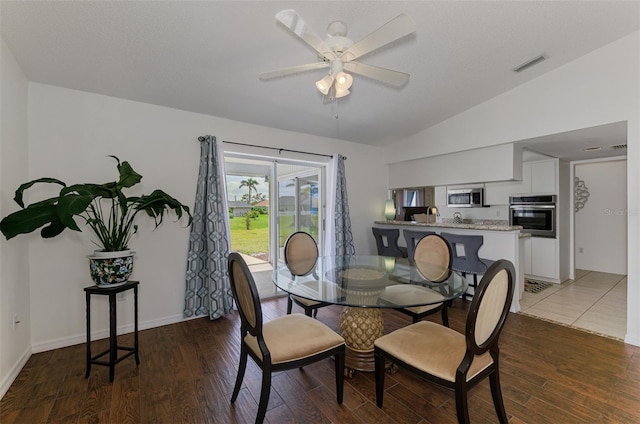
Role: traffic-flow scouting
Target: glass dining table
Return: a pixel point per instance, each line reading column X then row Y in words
column 365, row 285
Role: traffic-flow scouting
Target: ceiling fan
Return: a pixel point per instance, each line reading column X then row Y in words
column 338, row 53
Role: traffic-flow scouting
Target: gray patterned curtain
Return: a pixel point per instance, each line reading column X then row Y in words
column 208, row 290
column 339, row 237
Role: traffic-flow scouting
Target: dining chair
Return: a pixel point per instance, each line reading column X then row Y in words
column 411, row 238
column 451, row 359
column 469, row 262
column 300, row 257
column 432, row 259
column 387, row 242
column 287, row 342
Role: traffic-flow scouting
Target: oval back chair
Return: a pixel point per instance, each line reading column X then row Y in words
column 300, row 256
column 432, row 258
column 412, row 237
column 451, row 359
column 287, row 342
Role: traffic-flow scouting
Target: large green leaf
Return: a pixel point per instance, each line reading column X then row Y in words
column 70, row 205
column 158, row 202
column 128, row 177
column 94, row 190
column 53, row 229
column 20, row 191
column 29, row 219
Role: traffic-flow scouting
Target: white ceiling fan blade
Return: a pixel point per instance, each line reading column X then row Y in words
column 299, row 27
column 400, row 26
column 387, row 76
column 293, row 70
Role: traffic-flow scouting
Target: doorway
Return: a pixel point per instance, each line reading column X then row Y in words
column 270, row 199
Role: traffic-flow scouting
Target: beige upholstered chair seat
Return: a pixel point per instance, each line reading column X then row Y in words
column 305, row 302
column 293, row 337
column 402, row 294
column 432, row 348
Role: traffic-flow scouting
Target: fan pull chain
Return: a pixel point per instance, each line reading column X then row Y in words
column 337, row 116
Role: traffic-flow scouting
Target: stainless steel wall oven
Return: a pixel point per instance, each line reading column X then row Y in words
column 536, row 214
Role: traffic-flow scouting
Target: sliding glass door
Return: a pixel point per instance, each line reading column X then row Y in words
column 299, row 202
column 269, row 200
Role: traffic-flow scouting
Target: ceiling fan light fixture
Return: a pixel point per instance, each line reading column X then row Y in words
column 324, row 85
column 341, row 92
column 343, row 81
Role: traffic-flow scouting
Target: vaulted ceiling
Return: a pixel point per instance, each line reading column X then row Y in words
column 206, row 56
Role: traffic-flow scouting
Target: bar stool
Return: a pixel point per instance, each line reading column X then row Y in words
column 387, row 242
column 412, row 237
column 469, row 262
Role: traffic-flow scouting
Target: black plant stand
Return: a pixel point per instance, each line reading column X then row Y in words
column 113, row 336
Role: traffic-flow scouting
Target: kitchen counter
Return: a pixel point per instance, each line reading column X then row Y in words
column 500, row 241
column 463, row 226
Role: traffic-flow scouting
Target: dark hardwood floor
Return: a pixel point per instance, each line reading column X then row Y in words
column 549, row 374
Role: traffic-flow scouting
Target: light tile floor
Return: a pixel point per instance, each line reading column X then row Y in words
column 594, row 301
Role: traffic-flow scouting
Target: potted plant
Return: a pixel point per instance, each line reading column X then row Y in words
column 104, row 208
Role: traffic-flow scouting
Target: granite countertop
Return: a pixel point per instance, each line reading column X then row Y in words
column 473, row 225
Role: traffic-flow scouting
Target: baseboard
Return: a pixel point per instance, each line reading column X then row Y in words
column 632, row 340
column 102, row 334
column 13, row 373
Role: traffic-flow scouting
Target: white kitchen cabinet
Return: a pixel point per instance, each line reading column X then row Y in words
column 527, row 256
column 541, row 258
column 539, row 177
column 544, row 176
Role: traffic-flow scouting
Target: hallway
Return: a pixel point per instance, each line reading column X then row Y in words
column 594, row 301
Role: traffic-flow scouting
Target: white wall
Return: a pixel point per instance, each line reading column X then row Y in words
column 599, row 88
column 601, row 226
column 79, row 130
column 15, row 346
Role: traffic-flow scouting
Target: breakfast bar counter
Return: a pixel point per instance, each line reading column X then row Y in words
column 501, row 241
column 452, row 225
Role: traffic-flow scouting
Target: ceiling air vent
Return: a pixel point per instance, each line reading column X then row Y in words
column 619, row 147
column 529, row 63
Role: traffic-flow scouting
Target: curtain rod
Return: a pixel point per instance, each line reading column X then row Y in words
column 279, row 149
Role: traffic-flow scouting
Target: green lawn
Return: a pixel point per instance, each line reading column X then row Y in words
column 255, row 240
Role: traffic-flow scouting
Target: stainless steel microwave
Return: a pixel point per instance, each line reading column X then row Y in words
column 465, row 198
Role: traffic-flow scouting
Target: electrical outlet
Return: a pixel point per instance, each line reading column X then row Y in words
column 14, row 322
column 580, row 250
column 121, row 296
column 497, row 213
